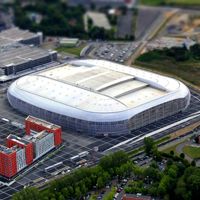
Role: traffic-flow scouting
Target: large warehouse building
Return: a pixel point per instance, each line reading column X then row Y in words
column 15, row 35
column 19, row 58
column 98, row 97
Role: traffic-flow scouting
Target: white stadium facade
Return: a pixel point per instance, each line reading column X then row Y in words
column 98, row 97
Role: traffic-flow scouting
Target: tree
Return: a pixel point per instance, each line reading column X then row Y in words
column 188, row 185
column 193, row 163
column 90, row 23
column 149, row 146
column 195, row 51
column 65, row 192
column 181, row 191
column 156, row 154
column 61, row 197
column 78, row 193
column 100, row 182
column 163, row 185
column 172, row 172
column 28, row 193
column 182, row 155
column 154, row 165
column 112, row 162
column 138, row 171
column 178, row 53
column 152, row 174
column 192, row 180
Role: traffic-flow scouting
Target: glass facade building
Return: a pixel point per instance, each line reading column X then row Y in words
column 113, row 128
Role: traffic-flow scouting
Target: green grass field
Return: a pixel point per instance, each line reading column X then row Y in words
column 193, row 152
column 71, row 50
column 170, row 2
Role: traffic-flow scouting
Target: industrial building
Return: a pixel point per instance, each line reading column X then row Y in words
column 5, row 43
column 98, row 97
column 40, row 138
column 18, row 58
column 16, row 35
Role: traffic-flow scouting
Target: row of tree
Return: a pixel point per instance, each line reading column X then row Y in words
column 176, row 53
column 177, row 180
column 59, row 19
column 77, row 184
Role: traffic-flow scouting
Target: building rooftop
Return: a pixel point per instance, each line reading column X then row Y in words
column 42, row 122
column 99, row 19
column 19, row 54
column 18, row 139
column 16, row 35
column 36, row 136
column 5, row 43
column 39, row 135
column 7, row 150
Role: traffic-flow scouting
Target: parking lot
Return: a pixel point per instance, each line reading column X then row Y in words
column 125, row 25
column 73, row 144
column 114, row 52
column 145, row 19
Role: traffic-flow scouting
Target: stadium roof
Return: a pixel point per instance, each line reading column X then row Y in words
column 97, row 86
column 95, row 89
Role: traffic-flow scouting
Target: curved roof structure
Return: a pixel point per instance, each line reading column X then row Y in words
column 97, row 90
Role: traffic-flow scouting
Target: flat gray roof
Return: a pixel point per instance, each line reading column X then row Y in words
column 15, row 34
column 6, row 42
column 20, row 54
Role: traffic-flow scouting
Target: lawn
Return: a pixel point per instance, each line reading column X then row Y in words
column 71, row 50
column 170, row 2
column 193, row 152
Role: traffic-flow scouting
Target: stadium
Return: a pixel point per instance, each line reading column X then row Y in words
column 98, row 97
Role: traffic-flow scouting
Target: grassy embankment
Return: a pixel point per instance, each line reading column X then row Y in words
column 71, row 50
column 140, row 149
column 192, row 152
column 159, row 61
